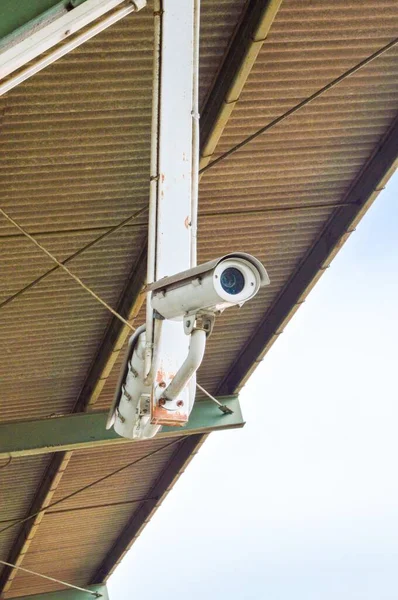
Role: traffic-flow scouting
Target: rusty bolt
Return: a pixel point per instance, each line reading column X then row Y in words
column 180, row 403
column 162, row 384
column 162, row 401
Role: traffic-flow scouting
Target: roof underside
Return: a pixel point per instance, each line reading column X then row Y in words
column 75, row 149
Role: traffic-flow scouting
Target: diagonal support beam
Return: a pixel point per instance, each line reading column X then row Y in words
column 87, row 430
column 247, row 42
column 178, row 463
column 362, row 194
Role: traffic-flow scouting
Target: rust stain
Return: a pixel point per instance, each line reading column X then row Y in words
column 161, row 416
column 160, row 376
column 187, row 222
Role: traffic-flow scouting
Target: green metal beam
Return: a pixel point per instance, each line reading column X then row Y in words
column 15, row 15
column 100, row 590
column 85, row 430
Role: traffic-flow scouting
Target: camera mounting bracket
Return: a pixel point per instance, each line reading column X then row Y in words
column 204, row 321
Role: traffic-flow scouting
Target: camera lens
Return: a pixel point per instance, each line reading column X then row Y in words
column 232, row 281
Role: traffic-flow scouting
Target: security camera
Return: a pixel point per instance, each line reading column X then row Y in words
column 211, row 287
column 140, row 406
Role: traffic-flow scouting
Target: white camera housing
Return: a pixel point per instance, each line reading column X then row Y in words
column 130, row 413
column 211, row 287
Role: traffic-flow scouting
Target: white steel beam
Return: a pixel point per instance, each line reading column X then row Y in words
column 173, row 248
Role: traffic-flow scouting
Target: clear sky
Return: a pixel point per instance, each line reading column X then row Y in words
column 302, row 503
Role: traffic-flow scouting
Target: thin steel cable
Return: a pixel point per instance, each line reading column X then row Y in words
column 88, row 486
column 74, row 255
column 90, row 507
column 126, row 221
column 202, row 389
column 223, row 407
column 97, row 506
column 68, row 271
column 297, row 107
column 69, row 585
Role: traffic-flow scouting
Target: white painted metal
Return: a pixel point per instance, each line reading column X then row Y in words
column 200, row 291
column 195, row 137
column 173, row 244
column 153, row 189
column 203, row 268
column 191, row 364
column 175, row 139
column 167, row 378
column 57, row 31
column 130, row 411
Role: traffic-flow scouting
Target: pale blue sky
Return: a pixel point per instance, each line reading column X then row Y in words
column 302, row 503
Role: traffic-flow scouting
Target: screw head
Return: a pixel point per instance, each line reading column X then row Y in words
column 180, row 403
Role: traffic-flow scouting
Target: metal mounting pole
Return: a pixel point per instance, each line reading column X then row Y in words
column 177, row 111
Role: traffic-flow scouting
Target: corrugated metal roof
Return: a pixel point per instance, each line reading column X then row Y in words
column 56, row 327
column 312, row 157
column 17, row 480
column 75, row 144
column 74, row 147
column 18, row 485
column 217, row 23
column 101, row 513
column 75, row 155
column 69, row 548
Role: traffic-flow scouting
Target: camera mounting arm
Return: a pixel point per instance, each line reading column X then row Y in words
column 189, row 367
